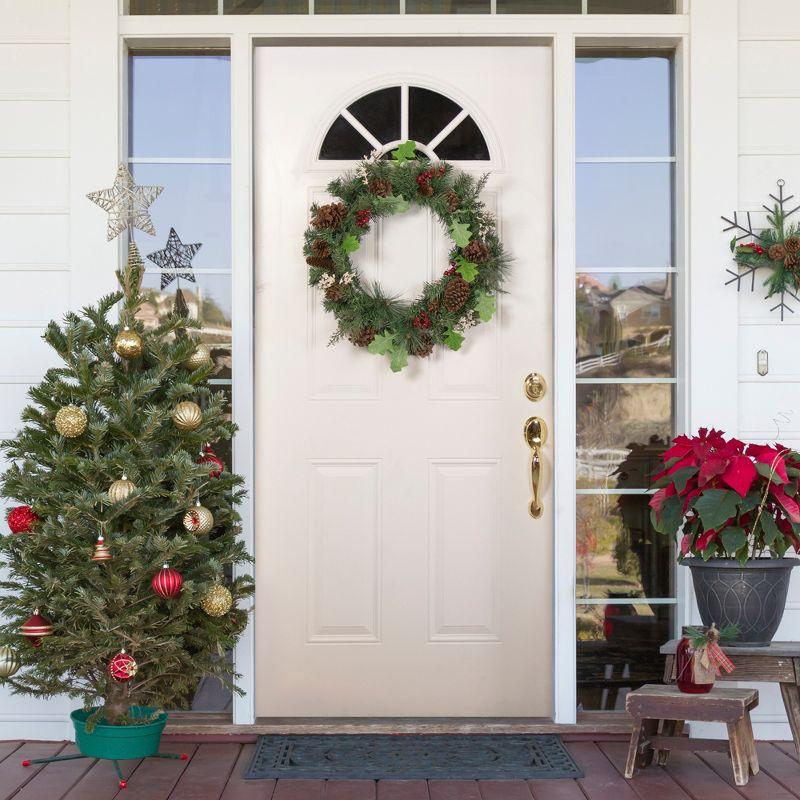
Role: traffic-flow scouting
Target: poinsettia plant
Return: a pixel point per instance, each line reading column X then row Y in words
column 729, row 499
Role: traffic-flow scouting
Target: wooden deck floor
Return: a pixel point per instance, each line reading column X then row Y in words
column 214, row 772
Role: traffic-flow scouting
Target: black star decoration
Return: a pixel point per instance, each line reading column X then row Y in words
column 176, row 255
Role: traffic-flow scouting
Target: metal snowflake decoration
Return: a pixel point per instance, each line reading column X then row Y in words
column 747, row 231
column 175, row 256
column 126, row 204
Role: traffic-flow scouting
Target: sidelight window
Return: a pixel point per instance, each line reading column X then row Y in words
column 625, row 367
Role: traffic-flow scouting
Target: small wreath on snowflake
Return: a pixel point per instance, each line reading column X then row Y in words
column 462, row 297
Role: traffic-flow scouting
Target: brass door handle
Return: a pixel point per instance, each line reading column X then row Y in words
column 535, row 437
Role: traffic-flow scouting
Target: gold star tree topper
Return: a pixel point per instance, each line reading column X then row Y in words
column 126, row 204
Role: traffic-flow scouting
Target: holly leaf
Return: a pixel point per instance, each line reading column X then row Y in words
column 466, row 269
column 398, row 204
column 350, row 244
column 398, row 358
column 485, row 306
column 452, row 339
column 405, row 152
column 733, row 539
column 460, row 233
column 716, row 507
column 381, row 344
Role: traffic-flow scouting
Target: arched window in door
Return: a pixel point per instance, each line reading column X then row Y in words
column 382, row 119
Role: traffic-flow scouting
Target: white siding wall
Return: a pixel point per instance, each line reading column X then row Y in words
column 34, row 241
column 769, row 148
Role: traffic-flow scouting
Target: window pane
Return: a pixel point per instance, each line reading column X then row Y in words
column 622, row 430
column 428, row 113
column 379, row 113
column 465, row 143
column 208, row 298
column 538, row 6
column 196, row 201
column 618, row 554
column 357, row 6
column 623, row 107
column 447, row 7
column 180, row 106
column 173, row 6
column 343, row 141
column 631, row 6
column 624, row 325
column 266, row 6
column 624, row 215
column 618, row 650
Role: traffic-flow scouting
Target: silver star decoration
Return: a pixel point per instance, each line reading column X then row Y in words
column 126, row 204
column 176, row 255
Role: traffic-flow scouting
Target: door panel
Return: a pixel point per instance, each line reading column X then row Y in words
column 399, row 572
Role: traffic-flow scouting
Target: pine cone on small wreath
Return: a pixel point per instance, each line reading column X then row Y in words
column 453, row 201
column 364, row 337
column 434, row 306
column 792, row 245
column 320, row 248
column 425, row 189
column 423, row 348
column 790, row 262
column 777, row 252
column 477, row 252
column 330, row 216
column 380, row 187
column 456, row 293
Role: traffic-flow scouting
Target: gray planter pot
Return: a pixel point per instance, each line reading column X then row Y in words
column 752, row 596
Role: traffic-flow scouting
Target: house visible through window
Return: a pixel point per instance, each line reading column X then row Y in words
column 625, row 365
column 179, row 138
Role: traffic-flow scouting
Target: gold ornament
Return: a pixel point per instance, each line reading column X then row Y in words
column 128, row 343
column 217, row 601
column 200, row 358
column 9, row 662
column 120, row 490
column 71, row 421
column 198, row 520
column 102, row 551
column 187, row 416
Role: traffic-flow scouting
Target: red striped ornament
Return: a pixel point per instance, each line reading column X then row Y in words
column 212, row 461
column 36, row 627
column 167, row 582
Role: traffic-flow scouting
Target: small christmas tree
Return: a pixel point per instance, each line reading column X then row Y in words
column 121, row 549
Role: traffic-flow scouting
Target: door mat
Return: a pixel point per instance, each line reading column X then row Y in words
column 406, row 757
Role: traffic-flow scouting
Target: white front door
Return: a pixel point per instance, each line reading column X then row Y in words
column 399, row 572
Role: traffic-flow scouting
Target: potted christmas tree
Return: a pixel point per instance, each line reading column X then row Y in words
column 119, row 588
column 737, row 508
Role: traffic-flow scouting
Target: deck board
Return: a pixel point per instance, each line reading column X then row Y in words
column 215, row 771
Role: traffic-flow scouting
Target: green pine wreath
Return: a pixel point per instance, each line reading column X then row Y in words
column 465, row 294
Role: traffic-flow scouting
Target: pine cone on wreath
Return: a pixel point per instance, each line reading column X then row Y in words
column 364, row 337
column 380, row 187
column 334, row 293
column 456, row 293
column 777, row 252
column 453, row 201
column 477, row 252
column 320, row 248
column 790, row 261
column 322, row 262
column 424, row 348
column 434, row 306
column 792, row 245
column 425, row 189
column 330, row 216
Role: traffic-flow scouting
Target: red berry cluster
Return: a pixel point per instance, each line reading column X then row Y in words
column 756, row 248
column 429, row 174
column 452, row 270
column 422, row 320
column 363, row 217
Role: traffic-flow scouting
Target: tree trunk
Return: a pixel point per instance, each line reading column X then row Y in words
column 116, row 703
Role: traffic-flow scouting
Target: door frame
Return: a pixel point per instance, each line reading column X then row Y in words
column 705, row 46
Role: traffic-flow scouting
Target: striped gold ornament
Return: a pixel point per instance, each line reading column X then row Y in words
column 9, row 662
column 187, row 416
column 120, row 490
column 198, row 520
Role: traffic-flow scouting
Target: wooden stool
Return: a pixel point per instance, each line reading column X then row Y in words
column 659, row 713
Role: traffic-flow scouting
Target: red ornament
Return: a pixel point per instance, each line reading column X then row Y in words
column 122, row 667
column 209, row 457
column 422, row 320
column 36, row 627
column 22, row 519
column 363, row 217
column 167, row 582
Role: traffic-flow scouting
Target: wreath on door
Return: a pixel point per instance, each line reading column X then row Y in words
column 464, row 296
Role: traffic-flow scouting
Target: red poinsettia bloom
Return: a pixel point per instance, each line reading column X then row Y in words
column 729, row 499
